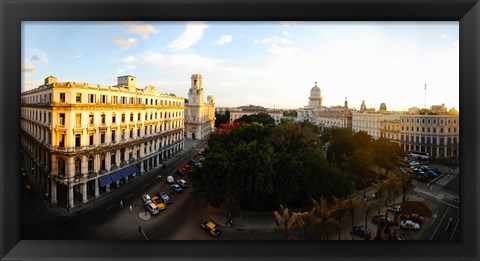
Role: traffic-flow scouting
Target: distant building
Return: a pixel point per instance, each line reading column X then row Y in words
column 239, row 112
column 199, row 115
column 82, row 140
column 436, row 134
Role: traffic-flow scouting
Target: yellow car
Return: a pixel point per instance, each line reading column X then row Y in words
column 159, row 203
column 211, row 228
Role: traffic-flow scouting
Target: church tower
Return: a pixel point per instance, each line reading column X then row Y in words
column 196, row 93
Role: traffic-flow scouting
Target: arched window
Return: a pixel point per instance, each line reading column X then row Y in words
column 61, row 167
column 78, row 166
column 90, row 164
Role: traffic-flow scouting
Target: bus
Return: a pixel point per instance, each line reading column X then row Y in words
column 418, row 154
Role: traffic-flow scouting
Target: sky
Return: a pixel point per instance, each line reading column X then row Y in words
column 270, row 64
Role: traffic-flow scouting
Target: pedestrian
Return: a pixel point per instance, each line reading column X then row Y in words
column 131, row 209
column 121, row 203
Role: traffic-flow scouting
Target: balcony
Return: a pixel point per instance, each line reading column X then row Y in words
column 78, row 127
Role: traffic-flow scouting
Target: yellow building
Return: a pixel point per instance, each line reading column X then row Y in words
column 81, row 140
column 199, row 115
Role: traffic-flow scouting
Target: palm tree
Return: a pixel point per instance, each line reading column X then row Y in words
column 351, row 205
column 403, row 182
column 380, row 188
column 305, row 220
column 368, row 207
column 392, row 185
column 285, row 221
column 324, row 216
column 339, row 209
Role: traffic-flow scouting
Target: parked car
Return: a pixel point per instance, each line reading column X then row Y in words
column 382, row 219
column 409, row 225
column 432, row 173
column 211, row 228
column 395, row 208
column 360, row 231
column 152, row 208
column 182, row 183
column 159, row 202
column 176, row 188
column 165, row 197
column 415, row 217
column 146, row 198
column 180, row 172
column 192, row 161
column 170, row 180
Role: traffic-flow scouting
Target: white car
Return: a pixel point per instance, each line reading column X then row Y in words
column 409, row 225
column 146, row 198
column 182, row 183
column 395, row 208
column 170, row 180
column 152, row 208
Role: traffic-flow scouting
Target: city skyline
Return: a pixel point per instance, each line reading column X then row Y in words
column 271, row 64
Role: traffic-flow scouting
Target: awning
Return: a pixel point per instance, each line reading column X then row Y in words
column 116, row 176
column 104, row 180
column 128, row 171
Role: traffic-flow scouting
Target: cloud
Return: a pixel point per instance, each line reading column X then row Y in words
column 274, row 39
column 129, row 59
column 128, row 43
column 189, row 37
column 287, row 34
column 37, row 55
column 129, row 67
column 28, row 68
column 142, row 29
column 179, row 62
column 223, row 40
column 77, row 56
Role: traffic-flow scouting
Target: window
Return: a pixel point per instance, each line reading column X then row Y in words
column 434, row 130
column 115, row 99
column 448, row 130
column 90, row 139
column 441, row 130
column 138, row 118
column 61, row 140
column 103, row 98
column 61, row 119
column 103, row 118
column 102, row 137
column 122, row 135
column 78, row 97
column 113, row 136
column 114, row 118
column 123, row 117
column 91, row 98
column 131, row 116
column 62, row 97
column 90, row 118
column 138, row 132
column 131, row 134
column 112, row 158
column 77, row 140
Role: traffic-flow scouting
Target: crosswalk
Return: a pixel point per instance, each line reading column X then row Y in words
column 451, row 197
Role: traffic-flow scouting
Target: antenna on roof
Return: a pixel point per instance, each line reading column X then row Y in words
column 425, row 96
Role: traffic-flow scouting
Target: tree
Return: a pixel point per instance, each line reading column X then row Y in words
column 262, row 118
column 339, row 206
column 305, row 221
column 324, row 217
column 380, row 188
column 285, row 220
column 222, row 118
column 352, row 205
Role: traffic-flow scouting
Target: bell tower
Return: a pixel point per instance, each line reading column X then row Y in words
column 196, row 94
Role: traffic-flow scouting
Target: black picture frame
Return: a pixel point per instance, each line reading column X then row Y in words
column 13, row 12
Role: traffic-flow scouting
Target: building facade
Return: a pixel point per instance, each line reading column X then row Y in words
column 436, row 134
column 239, row 112
column 199, row 115
column 82, row 140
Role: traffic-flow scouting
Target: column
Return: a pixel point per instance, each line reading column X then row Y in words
column 53, row 196
column 70, row 196
column 96, row 188
column 141, row 167
column 84, row 192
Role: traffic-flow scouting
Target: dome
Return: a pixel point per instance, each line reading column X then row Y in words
column 315, row 91
column 383, row 106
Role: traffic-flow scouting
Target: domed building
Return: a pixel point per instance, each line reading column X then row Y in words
column 315, row 99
